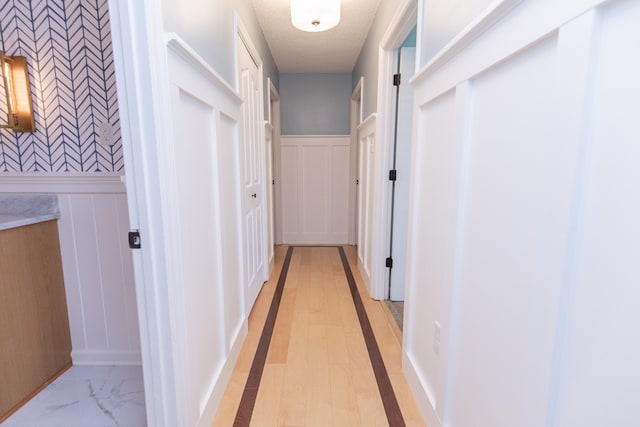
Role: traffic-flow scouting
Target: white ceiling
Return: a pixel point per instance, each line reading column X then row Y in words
column 332, row 51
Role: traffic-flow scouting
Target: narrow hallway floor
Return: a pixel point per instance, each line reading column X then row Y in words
column 318, row 368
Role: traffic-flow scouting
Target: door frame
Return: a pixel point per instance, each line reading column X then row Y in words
column 140, row 61
column 274, row 120
column 356, row 120
column 398, row 30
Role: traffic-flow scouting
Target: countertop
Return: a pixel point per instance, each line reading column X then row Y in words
column 8, row 221
column 18, row 209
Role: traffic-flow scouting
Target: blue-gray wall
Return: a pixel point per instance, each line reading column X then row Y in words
column 207, row 26
column 367, row 64
column 410, row 41
column 442, row 20
column 315, row 104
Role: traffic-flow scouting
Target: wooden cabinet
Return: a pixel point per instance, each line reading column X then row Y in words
column 35, row 344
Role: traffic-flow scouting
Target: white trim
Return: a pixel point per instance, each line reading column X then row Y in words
column 140, row 63
column 268, row 126
column 275, row 120
column 59, row 183
column 483, row 22
column 186, row 52
column 399, row 28
column 210, row 409
column 358, row 95
column 269, row 131
column 272, row 95
column 367, row 122
column 355, row 121
column 284, row 137
column 417, row 387
column 476, row 36
column 242, row 32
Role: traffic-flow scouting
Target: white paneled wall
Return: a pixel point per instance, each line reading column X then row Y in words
column 365, row 201
column 315, row 194
column 204, row 236
column 99, row 278
column 523, row 227
column 97, row 265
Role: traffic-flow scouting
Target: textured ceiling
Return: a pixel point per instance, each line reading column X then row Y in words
column 332, row 51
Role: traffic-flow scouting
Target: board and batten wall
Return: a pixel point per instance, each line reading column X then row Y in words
column 522, row 297
column 204, row 298
column 96, row 262
column 315, row 158
column 315, row 192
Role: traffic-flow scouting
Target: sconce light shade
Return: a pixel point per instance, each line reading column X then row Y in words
column 315, row 15
column 15, row 79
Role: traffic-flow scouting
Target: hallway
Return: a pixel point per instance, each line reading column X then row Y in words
column 317, row 369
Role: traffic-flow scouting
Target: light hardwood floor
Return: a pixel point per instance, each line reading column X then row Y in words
column 317, row 371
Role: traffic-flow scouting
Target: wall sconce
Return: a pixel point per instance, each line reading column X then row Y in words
column 315, row 15
column 17, row 104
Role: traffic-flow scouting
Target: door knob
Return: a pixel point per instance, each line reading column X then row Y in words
column 254, row 195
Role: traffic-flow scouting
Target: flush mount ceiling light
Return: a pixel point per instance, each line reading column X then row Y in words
column 17, row 104
column 315, row 15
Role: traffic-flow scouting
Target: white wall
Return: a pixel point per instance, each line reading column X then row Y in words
column 523, row 229
column 96, row 262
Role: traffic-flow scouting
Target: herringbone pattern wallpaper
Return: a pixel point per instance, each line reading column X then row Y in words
column 68, row 49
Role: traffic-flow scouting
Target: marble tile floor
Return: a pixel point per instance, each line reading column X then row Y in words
column 87, row 396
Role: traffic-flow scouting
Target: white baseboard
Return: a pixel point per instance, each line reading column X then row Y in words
column 425, row 406
column 106, row 358
column 209, row 411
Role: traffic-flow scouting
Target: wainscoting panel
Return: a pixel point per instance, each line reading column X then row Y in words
column 97, row 265
column 99, row 278
column 522, row 220
column 315, row 196
column 203, row 239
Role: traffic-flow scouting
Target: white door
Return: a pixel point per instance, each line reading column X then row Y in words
column 253, row 182
column 403, row 166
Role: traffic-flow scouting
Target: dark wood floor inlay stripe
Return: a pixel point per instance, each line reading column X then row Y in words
column 250, row 393
column 248, row 400
column 391, row 407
